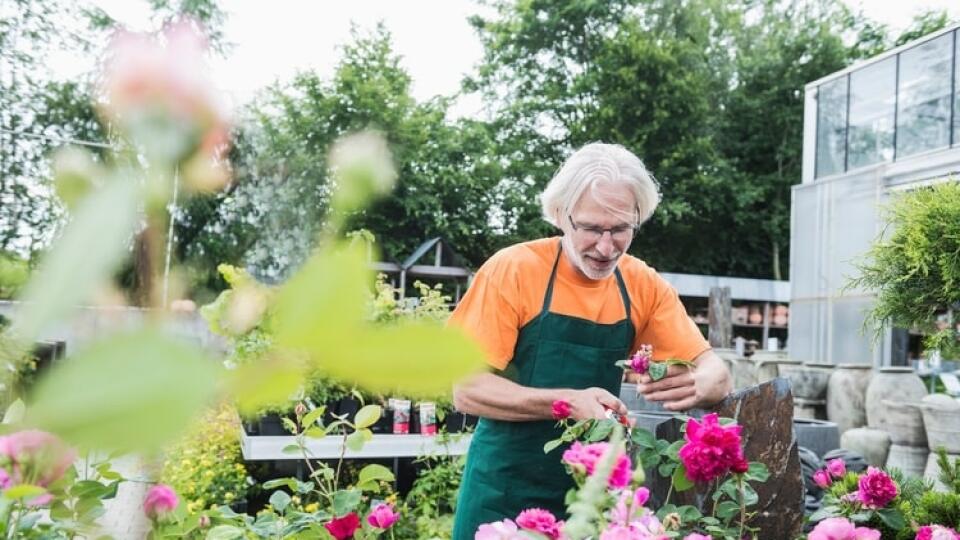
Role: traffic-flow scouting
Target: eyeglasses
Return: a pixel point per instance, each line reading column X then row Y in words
column 620, row 233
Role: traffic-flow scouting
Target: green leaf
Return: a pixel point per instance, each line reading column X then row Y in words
column 82, row 258
column 892, row 518
column 600, row 431
column 89, row 488
column 750, row 496
column 132, row 391
column 375, row 473
column 674, row 449
column 225, row 532
column 315, row 432
column 345, row 501
column 289, row 424
column 551, row 445
column 355, row 441
column 23, row 491
column 727, row 509
column 667, row 469
column 279, row 501
column 757, row 472
column 291, row 449
column 311, row 417
column 689, row 513
column 658, row 370
column 643, row 438
column 14, row 413
column 367, row 416
column 680, row 480
column 290, row 483
column 267, row 382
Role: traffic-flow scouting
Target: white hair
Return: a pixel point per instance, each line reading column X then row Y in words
column 592, row 164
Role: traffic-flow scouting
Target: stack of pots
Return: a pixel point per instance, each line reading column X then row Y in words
column 892, row 403
column 941, row 416
column 847, row 395
column 809, row 385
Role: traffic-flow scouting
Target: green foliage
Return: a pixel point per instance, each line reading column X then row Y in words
column 206, row 468
column 914, row 268
column 14, row 272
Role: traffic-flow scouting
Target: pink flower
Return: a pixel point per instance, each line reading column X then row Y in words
column 541, row 521
column 697, row 536
column 160, row 500
column 837, row 468
column 842, row 529
column 630, row 506
column 740, row 466
column 822, row 478
column 620, row 532
column 561, row 409
column 499, row 530
column 584, row 458
column 876, row 488
column 383, row 516
column 711, row 449
column 343, row 527
column 641, row 496
column 640, row 361
column 34, row 457
column 936, row 532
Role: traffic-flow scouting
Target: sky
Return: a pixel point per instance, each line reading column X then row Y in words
column 273, row 40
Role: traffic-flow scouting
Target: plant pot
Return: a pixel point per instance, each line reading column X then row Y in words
column 941, row 419
column 348, row 407
column 847, row 394
column 808, row 381
column 239, row 507
column 251, row 427
column 470, row 422
column 819, row 436
column 904, row 423
column 874, row 444
column 454, row 422
column 771, row 364
column 272, row 424
column 898, row 384
column 911, row 460
column 385, row 423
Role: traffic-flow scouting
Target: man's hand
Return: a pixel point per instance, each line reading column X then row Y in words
column 684, row 388
column 593, row 403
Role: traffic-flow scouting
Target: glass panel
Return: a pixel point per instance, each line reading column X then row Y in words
column 923, row 118
column 956, row 87
column 872, row 104
column 831, row 126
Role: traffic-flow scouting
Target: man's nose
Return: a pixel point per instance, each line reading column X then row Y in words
column 605, row 244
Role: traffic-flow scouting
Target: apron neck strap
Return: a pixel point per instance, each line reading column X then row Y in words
column 548, row 295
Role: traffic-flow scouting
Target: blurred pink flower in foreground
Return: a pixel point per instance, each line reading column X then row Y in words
column 842, row 529
column 33, row 457
column 499, row 530
column 584, row 458
column 160, row 500
column 936, row 532
column 541, row 521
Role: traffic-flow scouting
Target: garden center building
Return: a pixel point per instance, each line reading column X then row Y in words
column 887, row 124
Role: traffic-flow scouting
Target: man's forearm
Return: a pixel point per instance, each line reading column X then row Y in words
column 717, row 381
column 493, row 396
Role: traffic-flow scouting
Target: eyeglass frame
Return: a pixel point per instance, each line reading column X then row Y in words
column 594, row 230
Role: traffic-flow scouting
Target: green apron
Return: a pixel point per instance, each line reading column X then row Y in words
column 506, row 470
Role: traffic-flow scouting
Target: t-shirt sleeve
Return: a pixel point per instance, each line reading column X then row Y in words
column 668, row 328
column 489, row 311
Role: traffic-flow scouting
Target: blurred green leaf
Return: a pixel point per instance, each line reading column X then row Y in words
column 311, row 417
column 22, row 491
column 225, row 532
column 82, row 258
column 345, row 501
column 279, row 501
column 14, row 413
column 131, row 391
column 355, row 441
column 290, row 483
column 263, row 383
column 291, row 449
column 367, row 416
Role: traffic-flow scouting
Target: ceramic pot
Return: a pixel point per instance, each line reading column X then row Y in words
column 912, row 460
column 819, row 436
column 847, row 394
column 898, row 385
column 874, row 444
column 755, row 315
column 771, row 364
column 941, row 419
column 808, row 381
column 904, row 423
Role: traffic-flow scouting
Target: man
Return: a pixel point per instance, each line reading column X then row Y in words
column 554, row 315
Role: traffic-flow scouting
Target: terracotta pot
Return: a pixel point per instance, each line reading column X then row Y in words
column 898, row 385
column 755, row 316
column 847, row 394
column 873, row 444
column 912, row 460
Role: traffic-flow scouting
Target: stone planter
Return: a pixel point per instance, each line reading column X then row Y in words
column 808, row 381
column 912, row 460
column 819, row 436
column 941, row 418
column 904, row 423
column 932, row 470
column 874, row 444
column 846, row 395
column 769, row 365
column 894, row 384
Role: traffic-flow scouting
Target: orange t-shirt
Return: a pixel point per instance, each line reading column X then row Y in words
column 507, row 293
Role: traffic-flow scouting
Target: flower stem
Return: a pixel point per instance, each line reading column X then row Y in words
column 743, row 506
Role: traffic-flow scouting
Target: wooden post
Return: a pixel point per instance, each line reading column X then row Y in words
column 720, row 331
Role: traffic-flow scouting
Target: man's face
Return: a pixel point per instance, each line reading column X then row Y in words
column 596, row 233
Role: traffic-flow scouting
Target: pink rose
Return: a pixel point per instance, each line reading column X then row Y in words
column 160, row 500
column 711, row 450
column 640, row 361
column 641, row 496
column 842, row 529
column 560, row 409
column 697, row 536
column 584, row 458
column 499, row 530
column 630, row 506
column 35, row 457
column 837, row 468
column 876, row 488
column 936, row 532
column 343, row 527
column 541, row 521
column 822, row 478
column 383, row 516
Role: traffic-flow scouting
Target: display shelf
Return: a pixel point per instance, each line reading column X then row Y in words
column 269, row 447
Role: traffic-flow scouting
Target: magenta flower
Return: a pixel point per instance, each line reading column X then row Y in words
column 697, row 536
column 383, row 516
column 541, row 521
column 629, row 506
column 822, row 478
column 837, row 468
column 711, row 450
column 560, row 409
column 160, row 501
column 842, row 529
column 584, row 458
column 343, row 527
column 877, row 489
column 33, row 457
column 936, row 532
column 640, row 361
column 499, row 530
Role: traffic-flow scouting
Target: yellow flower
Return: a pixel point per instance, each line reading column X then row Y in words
column 311, row 508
